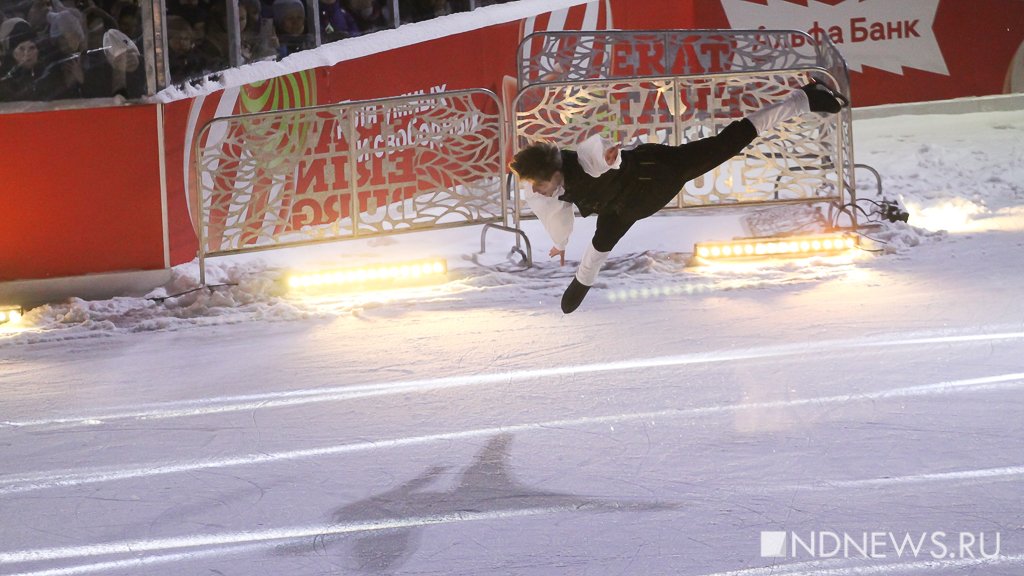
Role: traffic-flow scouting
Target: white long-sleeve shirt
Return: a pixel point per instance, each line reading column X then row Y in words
column 557, row 216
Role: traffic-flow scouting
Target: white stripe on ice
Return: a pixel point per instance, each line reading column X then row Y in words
column 1004, row 472
column 226, row 404
column 145, row 561
column 829, row 568
column 65, row 478
column 272, row 535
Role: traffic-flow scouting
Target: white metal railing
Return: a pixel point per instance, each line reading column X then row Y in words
column 351, row 170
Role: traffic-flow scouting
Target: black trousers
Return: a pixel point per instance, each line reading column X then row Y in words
column 663, row 171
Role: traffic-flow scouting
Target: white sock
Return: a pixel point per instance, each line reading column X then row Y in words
column 766, row 118
column 590, row 265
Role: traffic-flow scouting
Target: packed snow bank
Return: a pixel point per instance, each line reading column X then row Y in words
column 954, row 172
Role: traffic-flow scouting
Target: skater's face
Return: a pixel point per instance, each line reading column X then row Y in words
column 548, row 187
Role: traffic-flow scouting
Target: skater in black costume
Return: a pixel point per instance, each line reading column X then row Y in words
column 624, row 186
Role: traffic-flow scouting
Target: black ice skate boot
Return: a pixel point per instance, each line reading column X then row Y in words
column 574, row 295
column 821, row 98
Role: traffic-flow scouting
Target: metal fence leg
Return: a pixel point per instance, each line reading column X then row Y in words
column 527, row 255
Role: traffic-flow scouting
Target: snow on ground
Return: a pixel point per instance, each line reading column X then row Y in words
column 470, row 428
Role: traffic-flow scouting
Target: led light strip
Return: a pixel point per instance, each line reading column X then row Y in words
column 791, row 246
column 10, row 314
column 385, row 274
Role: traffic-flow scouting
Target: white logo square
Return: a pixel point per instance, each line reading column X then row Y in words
column 773, row 545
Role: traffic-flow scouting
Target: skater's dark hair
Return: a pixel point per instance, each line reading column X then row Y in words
column 537, row 162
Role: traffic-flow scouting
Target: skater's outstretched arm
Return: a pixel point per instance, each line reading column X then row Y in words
column 556, row 216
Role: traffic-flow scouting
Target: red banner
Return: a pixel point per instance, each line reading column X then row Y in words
column 900, row 51
column 81, row 192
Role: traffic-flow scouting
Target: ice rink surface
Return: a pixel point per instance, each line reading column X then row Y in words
column 866, row 407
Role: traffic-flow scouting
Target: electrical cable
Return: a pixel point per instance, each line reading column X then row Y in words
column 209, row 287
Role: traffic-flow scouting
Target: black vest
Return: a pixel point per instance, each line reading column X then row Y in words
column 591, row 195
column 649, row 177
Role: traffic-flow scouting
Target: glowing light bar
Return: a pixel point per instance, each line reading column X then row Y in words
column 820, row 244
column 371, row 277
column 10, row 314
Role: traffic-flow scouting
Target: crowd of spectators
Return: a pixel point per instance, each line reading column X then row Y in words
column 199, row 38
column 51, row 50
column 58, row 49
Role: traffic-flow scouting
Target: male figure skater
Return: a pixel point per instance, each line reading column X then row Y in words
column 624, row 186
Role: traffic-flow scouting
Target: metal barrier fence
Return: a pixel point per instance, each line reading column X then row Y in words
column 352, row 170
column 674, row 86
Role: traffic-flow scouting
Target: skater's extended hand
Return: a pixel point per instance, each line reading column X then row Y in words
column 611, row 154
column 560, row 253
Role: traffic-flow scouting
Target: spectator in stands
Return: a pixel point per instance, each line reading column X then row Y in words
column 265, row 46
column 216, row 46
column 370, row 15
column 128, row 19
column 5, row 31
column 290, row 24
column 195, row 12
column 97, row 22
column 253, row 16
column 115, row 71
column 186, row 61
column 36, row 16
column 336, row 22
column 23, row 74
column 67, row 37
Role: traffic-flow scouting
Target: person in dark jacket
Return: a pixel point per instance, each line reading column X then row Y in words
column 24, row 73
column 625, row 186
column 336, row 23
column 186, row 60
column 370, row 15
column 117, row 70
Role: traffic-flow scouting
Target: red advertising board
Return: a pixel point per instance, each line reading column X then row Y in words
column 80, row 192
column 900, row 51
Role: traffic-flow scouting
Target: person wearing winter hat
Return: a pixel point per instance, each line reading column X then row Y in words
column 67, row 35
column 116, row 70
column 6, row 31
column 290, row 23
column 625, row 186
column 67, row 30
column 290, row 17
column 23, row 75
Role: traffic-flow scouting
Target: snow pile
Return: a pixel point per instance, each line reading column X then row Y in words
column 898, row 237
column 946, row 183
column 237, row 292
